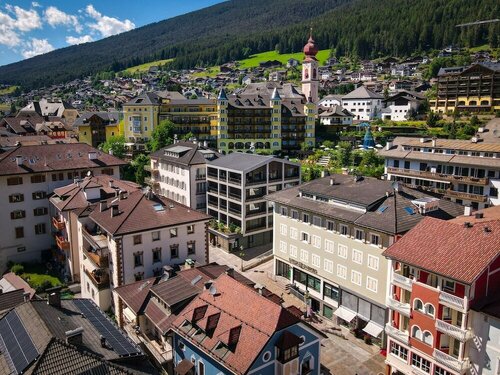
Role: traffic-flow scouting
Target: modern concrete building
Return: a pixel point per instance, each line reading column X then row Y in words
column 237, row 186
column 28, row 175
column 179, row 172
column 329, row 235
column 467, row 172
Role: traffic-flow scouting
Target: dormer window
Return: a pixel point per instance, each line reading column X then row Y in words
column 288, row 347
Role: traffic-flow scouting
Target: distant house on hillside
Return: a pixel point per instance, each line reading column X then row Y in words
column 270, row 64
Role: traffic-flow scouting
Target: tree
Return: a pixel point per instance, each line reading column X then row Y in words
column 193, row 96
column 344, row 154
column 371, row 164
column 188, row 136
column 138, row 164
column 163, row 135
column 116, row 144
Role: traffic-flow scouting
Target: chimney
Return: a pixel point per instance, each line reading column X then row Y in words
column 434, row 142
column 230, row 272
column 345, row 171
column 103, row 205
column 92, row 155
column 189, row 263
column 207, row 285
column 205, row 144
column 110, row 183
column 103, row 341
column 19, row 160
column 467, row 210
column 325, row 173
column 388, row 145
column 54, row 296
column 467, row 224
column 75, row 336
column 332, row 181
column 259, row 288
column 422, row 140
column 479, row 215
column 114, row 210
column 110, row 151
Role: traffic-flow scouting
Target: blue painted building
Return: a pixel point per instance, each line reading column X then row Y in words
column 232, row 329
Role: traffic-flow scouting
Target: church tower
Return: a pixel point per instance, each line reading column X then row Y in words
column 310, row 80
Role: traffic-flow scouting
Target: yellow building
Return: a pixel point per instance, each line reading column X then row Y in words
column 140, row 117
column 473, row 89
column 95, row 128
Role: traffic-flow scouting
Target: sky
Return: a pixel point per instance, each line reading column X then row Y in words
column 29, row 28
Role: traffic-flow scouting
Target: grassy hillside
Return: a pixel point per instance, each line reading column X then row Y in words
column 8, row 90
column 254, row 60
column 143, row 68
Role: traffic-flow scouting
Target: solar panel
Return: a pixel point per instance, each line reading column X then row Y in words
column 15, row 341
column 120, row 344
column 409, row 210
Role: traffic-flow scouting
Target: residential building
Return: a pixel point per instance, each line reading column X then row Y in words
column 214, row 335
column 364, row 104
column 148, row 307
column 402, row 106
column 335, row 116
column 50, row 108
column 329, row 237
column 94, row 128
column 330, row 101
column 143, row 113
column 71, row 336
column 437, row 271
column 53, row 127
column 28, row 175
column 271, row 116
column 237, row 185
column 475, row 88
column 66, row 205
column 179, row 172
column 134, row 237
column 467, row 172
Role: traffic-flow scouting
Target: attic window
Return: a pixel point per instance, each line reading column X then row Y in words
column 410, row 210
column 381, row 209
column 158, row 207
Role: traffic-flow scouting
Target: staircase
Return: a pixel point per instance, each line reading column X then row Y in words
column 324, row 160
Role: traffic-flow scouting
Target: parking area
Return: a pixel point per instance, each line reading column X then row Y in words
column 342, row 353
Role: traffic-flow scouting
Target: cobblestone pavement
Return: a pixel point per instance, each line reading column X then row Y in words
column 339, row 355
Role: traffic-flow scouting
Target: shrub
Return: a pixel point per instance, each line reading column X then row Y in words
column 368, row 339
column 18, row 269
column 46, row 284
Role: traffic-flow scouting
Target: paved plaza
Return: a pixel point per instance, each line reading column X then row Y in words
column 342, row 353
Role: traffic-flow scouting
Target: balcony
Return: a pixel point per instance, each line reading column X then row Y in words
column 99, row 278
column 451, row 362
column 438, row 176
column 403, row 308
column 395, row 333
column 453, row 331
column 62, row 243
column 57, row 224
column 467, row 196
column 453, row 301
column 200, row 177
column 402, row 281
column 99, row 260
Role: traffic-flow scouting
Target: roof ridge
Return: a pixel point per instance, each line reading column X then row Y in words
column 130, row 213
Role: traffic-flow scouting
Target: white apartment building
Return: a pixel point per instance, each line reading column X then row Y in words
column 178, row 172
column 28, row 175
column 364, row 104
column 401, row 106
column 466, row 172
column 130, row 236
column 485, row 359
column 330, row 101
column 329, row 236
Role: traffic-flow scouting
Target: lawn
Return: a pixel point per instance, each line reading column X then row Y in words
column 254, row 60
column 210, row 72
column 145, row 67
column 4, row 107
column 8, row 90
column 36, row 275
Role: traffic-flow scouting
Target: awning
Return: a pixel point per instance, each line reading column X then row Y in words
column 373, row 329
column 344, row 313
column 129, row 314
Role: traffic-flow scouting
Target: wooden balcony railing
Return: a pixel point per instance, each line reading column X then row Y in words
column 438, row 176
column 58, row 224
column 100, row 280
column 467, row 196
column 62, row 243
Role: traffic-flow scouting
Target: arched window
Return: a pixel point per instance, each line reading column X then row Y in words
column 418, row 305
column 223, row 144
column 427, row 338
column 429, row 309
column 416, row 332
column 276, row 144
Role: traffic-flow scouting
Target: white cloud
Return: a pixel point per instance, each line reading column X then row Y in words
column 35, row 4
column 107, row 26
column 37, row 47
column 56, row 17
column 79, row 40
column 26, row 20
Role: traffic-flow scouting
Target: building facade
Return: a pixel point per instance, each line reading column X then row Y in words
column 95, row 128
column 28, row 175
column 474, row 89
column 435, row 277
column 363, row 103
column 237, row 185
column 402, row 106
column 179, row 172
column 329, row 237
column 466, row 172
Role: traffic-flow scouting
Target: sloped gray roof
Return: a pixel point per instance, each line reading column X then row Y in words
column 362, row 93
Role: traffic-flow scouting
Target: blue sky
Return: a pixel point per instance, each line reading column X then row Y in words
column 29, row 28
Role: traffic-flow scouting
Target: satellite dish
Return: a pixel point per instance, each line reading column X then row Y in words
column 212, row 290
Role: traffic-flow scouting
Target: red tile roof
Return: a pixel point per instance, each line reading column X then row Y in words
column 258, row 317
column 137, row 213
column 135, row 294
column 55, row 157
column 449, row 249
